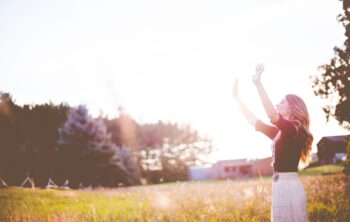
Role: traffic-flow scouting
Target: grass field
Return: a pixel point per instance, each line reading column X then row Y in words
column 322, row 170
column 231, row 200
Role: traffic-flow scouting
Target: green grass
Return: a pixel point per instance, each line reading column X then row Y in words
column 229, row 200
column 322, row 170
column 59, row 205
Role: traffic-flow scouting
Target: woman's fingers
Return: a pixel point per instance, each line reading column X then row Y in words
column 259, row 69
column 262, row 68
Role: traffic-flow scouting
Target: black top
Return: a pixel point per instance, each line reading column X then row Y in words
column 288, row 145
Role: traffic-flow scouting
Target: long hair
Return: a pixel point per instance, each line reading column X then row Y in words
column 300, row 115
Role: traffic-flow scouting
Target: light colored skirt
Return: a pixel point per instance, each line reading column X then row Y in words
column 288, row 198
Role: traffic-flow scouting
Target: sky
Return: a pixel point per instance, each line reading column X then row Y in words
column 171, row 60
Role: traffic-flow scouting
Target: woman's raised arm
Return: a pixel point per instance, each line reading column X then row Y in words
column 249, row 116
column 268, row 106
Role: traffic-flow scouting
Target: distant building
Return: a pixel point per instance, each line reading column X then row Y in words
column 200, row 173
column 237, row 168
column 263, row 167
column 232, row 169
column 331, row 149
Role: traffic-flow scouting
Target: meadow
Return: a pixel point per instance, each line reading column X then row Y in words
column 226, row 200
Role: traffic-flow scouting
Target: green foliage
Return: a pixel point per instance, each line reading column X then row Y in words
column 59, row 142
column 90, row 156
column 128, row 160
column 334, row 82
column 168, row 149
column 28, row 147
column 28, row 137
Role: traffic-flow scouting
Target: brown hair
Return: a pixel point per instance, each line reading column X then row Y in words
column 300, row 115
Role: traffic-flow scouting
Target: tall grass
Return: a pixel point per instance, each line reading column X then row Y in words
column 231, row 200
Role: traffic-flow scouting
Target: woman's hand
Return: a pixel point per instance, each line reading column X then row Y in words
column 259, row 69
column 235, row 90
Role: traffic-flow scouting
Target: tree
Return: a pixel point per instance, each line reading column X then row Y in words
column 91, row 157
column 347, row 161
column 169, row 149
column 128, row 131
column 124, row 133
column 28, row 137
column 128, row 160
column 334, row 82
column 12, row 162
column 39, row 128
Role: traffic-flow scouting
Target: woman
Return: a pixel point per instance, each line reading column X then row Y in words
column 292, row 142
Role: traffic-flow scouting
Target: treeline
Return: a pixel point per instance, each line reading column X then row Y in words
column 66, row 143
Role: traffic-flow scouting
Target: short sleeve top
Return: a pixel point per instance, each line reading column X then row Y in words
column 287, row 145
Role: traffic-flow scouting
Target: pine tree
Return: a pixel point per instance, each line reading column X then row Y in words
column 129, row 162
column 91, row 157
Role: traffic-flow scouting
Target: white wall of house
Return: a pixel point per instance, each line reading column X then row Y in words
column 200, row 173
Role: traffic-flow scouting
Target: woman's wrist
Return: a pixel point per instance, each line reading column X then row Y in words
column 257, row 83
